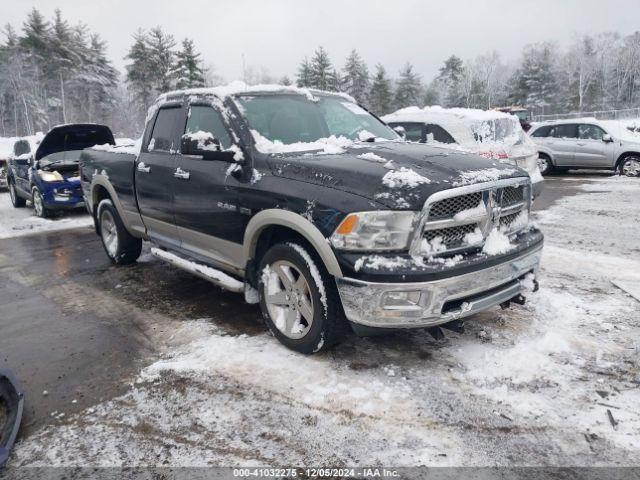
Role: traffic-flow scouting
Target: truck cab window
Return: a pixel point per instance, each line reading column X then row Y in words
column 206, row 119
column 163, row 134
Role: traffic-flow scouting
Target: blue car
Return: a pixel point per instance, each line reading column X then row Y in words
column 49, row 177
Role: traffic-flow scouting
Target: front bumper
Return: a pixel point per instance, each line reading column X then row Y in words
column 63, row 196
column 441, row 300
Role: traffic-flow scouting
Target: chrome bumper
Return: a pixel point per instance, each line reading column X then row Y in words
column 441, row 300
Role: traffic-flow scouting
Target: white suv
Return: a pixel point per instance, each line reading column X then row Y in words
column 587, row 143
column 492, row 134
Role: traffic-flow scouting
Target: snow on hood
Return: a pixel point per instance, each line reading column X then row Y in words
column 395, row 174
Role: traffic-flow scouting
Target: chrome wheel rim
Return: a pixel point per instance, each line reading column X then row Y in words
column 109, row 233
column 543, row 164
column 37, row 202
column 288, row 298
column 631, row 167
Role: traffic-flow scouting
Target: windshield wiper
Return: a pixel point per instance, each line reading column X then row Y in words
column 62, row 160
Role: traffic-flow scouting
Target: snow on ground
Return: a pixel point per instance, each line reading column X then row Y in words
column 554, row 382
column 15, row 222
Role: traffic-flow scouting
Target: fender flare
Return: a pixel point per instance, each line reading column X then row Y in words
column 297, row 223
column 103, row 181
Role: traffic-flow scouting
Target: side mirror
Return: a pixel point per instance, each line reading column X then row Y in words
column 205, row 145
column 607, row 138
column 400, row 131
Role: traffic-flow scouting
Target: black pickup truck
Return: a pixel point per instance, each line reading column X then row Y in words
column 314, row 208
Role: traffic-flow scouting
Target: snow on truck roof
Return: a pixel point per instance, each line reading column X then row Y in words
column 239, row 87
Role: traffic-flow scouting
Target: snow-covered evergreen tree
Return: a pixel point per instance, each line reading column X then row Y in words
column 534, row 83
column 160, row 46
column 380, row 95
column 304, row 74
column 140, row 74
column 408, row 89
column 188, row 71
column 322, row 72
column 355, row 80
column 450, row 79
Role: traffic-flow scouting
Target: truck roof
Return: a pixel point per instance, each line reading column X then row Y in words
column 238, row 88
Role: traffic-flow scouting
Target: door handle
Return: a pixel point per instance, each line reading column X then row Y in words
column 179, row 173
column 581, row 144
column 142, row 167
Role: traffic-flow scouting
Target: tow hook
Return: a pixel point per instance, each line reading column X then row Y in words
column 518, row 299
column 456, row 326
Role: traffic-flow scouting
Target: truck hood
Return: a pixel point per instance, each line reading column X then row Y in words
column 397, row 175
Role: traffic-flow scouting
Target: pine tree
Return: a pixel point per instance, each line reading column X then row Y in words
column 160, row 47
column 285, row 80
column 356, row 81
column 304, row 74
column 380, row 95
column 140, row 71
column 409, row 88
column 534, row 82
column 450, row 79
column 36, row 35
column 187, row 71
column 322, row 72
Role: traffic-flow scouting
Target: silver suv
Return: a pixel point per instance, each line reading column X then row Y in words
column 587, row 143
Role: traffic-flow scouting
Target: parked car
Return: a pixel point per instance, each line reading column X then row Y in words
column 492, row 134
column 520, row 112
column 48, row 175
column 315, row 209
column 3, row 170
column 587, row 143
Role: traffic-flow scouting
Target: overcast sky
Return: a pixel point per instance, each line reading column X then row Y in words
column 279, row 33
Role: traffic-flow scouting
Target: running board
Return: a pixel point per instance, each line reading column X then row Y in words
column 216, row 277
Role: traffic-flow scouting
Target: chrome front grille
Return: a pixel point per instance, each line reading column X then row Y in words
column 448, row 207
column 461, row 218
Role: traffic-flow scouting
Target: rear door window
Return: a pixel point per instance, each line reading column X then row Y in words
column 21, row 147
column 564, row 131
column 163, row 136
column 542, row 132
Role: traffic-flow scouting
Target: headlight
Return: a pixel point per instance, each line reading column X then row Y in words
column 50, row 176
column 380, row 230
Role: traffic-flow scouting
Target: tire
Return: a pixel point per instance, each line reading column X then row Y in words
column 121, row 247
column 544, row 164
column 16, row 200
column 630, row 166
column 38, row 203
column 305, row 313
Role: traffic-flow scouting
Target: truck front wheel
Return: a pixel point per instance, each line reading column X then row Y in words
column 299, row 299
column 121, row 247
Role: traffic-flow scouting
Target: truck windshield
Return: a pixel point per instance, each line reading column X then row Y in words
column 297, row 119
